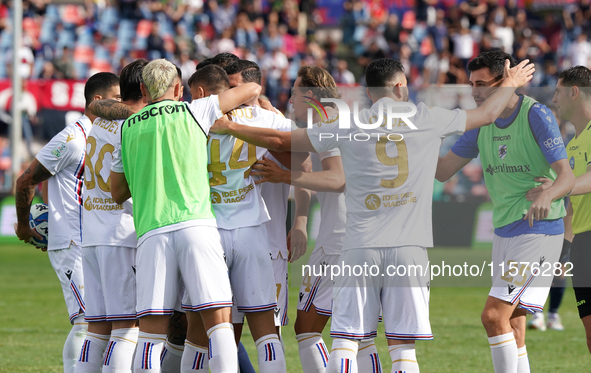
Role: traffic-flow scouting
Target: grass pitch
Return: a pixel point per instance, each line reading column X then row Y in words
column 34, row 322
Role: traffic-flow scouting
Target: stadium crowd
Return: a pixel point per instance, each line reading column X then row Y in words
column 434, row 40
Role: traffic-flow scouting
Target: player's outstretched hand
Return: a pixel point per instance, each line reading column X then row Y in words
column 534, row 193
column 221, row 126
column 297, row 241
column 269, row 171
column 518, row 75
column 24, row 233
column 539, row 209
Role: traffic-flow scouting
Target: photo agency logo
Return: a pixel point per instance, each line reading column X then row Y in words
column 395, row 114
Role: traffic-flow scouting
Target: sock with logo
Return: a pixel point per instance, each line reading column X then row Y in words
column 522, row 361
column 404, row 358
column 73, row 343
column 271, row 357
column 91, row 353
column 367, row 357
column 503, row 349
column 147, row 354
column 313, row 352
column 223, row 354
column 120, row 350
column 195, row 359
column 343, row 356
column 171, row 356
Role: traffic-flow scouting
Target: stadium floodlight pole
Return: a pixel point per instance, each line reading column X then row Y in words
column 17, row 119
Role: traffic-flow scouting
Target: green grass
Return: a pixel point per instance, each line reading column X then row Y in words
column 34, row 321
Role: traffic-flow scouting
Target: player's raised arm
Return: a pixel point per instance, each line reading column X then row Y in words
column 110, row 109
column 265, row 137
column 235, row 97
column 25, row 191
column 490, row 109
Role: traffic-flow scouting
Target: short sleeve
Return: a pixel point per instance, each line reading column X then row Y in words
column 64, row 148
column 547, row 133
column 329, row 153
column 324, row 138
column 206, row 111
column 448, row 122
column 467, row 145
column 117, row 162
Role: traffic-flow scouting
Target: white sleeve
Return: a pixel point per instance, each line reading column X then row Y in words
column 336, row 152
column 117, row 162
column 206, row 111
column 448, row 122
column 63, row 149
column 281, row 123
column 324, row 138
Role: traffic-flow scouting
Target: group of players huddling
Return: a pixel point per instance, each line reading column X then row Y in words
column 204, row 243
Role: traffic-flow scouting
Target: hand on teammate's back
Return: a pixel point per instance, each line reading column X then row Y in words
column 221, row 125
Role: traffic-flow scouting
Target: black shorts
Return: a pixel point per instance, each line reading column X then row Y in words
column 580, row 256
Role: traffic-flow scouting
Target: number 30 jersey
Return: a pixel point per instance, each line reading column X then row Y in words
column 236, row 199
column 105, row 223
column 389, row 174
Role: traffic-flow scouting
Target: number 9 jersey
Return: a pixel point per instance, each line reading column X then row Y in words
column 389, row 174
column 105, row 223
column 235, row 198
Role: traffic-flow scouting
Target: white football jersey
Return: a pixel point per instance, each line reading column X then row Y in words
column 333, row 211
column 275, row 197
column 390, row 180
column 236, row 199
column 63, row 157
column 104, row 223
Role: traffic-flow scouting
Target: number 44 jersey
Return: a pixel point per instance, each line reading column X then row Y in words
column 105, row 223
column 235, row 198
column 389, row 174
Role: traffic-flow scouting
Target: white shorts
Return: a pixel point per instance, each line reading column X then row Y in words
column 403, row 299
column 281, row 282
column 513, row 278
column 316, row 289
column 109, row 281
column 282, row 285
column 67, row 264
column 193, row 255
column 251, row 271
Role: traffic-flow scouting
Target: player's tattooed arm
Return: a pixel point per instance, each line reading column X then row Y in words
column 177, row 328
column 110, row 109
column 24, row 193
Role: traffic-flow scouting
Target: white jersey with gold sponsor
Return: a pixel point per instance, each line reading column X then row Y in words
column 236, row 199
column 63, row 157
column 390, row 177
column 105, row 223
column 275, row 196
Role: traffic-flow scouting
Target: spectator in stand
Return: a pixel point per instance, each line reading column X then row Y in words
column 342, row 75
column 580, row 51
column 155, row 46
column 65, row 63
column 274, row 67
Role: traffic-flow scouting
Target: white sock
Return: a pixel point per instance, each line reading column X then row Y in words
column 503, row 349
column 343, row 356
column 522, row 361
column 91, row 353
column 313, row 352
column 223, row 353
column 147, row 354
column 73, row 344
column 404, row 358
column 271, row 357
column 170, row 358
column 120, row 350
column 367, row 357
column 194, row 359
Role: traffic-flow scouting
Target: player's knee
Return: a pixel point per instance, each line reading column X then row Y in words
column 490, row 318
